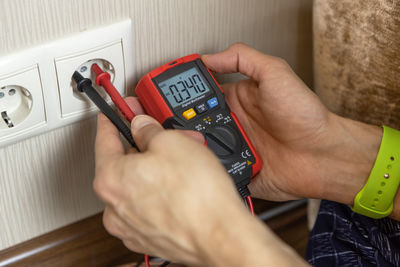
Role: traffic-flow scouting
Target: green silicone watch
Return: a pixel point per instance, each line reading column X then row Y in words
column 375, row 200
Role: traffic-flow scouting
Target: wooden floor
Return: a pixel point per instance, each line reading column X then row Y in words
column 86, row 243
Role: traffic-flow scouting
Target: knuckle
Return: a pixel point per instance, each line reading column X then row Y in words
column 274, row 64
column 238, row 46
column 162, row 139
column 133, row 246
column 279, row 62
column 104, row 182
column 98, row 186
column 110, row 225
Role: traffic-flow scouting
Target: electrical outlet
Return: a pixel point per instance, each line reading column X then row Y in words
column 109, row 56
column 15, row 105
column 85, row 70
column 110, row 47
column 21, row 104
column 36, row 89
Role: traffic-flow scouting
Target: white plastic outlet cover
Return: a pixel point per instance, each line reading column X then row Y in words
column 45, row 71
column 15, row 105
column 71, row 104
column 85, row 70
column 26, row 112
column 112, row 43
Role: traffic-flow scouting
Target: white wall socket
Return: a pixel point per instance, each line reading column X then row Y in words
column 17, row 103
column 44, row 98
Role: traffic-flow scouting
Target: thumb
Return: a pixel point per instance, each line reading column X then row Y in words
column 144, row 128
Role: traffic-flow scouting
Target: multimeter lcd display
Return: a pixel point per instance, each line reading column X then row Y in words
column 184, row 87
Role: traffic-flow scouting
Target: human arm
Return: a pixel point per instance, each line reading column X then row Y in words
column 307, row 150
column 183, row 208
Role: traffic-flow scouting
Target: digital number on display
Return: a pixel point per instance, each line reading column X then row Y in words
column 184, row 87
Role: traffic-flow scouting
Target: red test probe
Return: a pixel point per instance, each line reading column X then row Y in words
column 104, row 79
column 84, row 85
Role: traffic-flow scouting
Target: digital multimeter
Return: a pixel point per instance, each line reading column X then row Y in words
column 183, row 94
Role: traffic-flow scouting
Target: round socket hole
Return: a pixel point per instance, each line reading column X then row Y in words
column 15, row 105
column 85, row 70
column 11, row 92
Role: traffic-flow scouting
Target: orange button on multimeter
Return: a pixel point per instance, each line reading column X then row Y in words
column 183, row 94
column 189, row 114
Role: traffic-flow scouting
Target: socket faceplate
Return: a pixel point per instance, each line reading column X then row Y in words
column 72, row 105
column 46, row 70
column 26, row 113
column 15, row 105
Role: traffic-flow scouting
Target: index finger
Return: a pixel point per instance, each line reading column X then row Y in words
column 239, row 58
column 108, row 143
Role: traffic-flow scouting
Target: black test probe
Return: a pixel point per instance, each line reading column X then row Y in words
column 84, row 85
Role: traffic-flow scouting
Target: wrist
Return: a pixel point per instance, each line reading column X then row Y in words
column 348, row 158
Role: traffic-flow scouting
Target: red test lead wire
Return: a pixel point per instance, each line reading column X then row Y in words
column 146, row 260
column 250, row 203
column 104, row 79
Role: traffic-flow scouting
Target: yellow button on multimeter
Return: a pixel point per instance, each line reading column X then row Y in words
column 188, row 114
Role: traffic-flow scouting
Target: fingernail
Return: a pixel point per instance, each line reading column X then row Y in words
column 140, row 121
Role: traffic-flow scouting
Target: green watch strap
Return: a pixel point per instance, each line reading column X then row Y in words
column 375, row 200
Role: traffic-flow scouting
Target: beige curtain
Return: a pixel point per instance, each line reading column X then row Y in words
column 357, row 62
column 357, row 58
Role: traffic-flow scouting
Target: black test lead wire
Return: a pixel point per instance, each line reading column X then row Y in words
column 84, row 85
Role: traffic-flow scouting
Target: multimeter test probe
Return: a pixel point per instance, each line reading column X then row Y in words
column 183, row 94
column 84, row 85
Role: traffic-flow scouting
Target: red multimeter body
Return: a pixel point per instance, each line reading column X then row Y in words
column 183, row 94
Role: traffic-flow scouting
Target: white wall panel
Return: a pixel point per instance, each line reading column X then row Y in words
column 45, row 182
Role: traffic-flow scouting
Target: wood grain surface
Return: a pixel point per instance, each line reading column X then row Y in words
column 45, row 181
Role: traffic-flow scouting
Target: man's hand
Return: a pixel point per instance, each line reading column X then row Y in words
column 307, row 151
column 175, row 200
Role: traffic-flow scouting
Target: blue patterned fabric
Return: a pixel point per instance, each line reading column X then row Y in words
column 343, row 238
